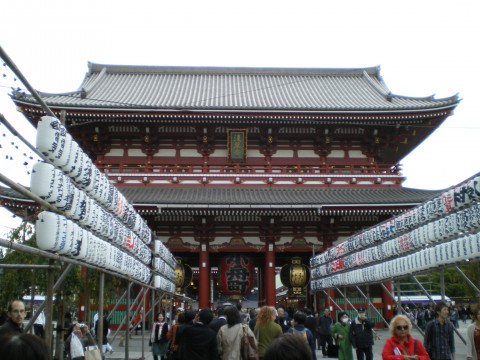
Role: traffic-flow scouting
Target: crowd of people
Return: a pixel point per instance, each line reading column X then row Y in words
column 277, row 334
column 15, row 344
column 203, row 335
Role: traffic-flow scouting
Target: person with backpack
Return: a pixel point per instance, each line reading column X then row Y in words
column 299, row 329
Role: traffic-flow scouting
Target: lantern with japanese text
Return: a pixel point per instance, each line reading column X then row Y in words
column 236, row 275
column 295, row 276
column 183, row 275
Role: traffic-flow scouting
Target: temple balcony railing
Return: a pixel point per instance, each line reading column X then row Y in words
column 243, row 174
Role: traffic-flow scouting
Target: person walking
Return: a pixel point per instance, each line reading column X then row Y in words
column 401, row 345
column 282, row 319
column 219, row 321
column 325, row 324
column 172, row 333
column 230, row 335
column 340, row 333
column 428, row 316
column 299, row 329
column 39, row 324
column 16, row 315
column 158, row 338
column 106, row 329
column 473, row 337
column 266, row 329
column 464, row 314
column 200, row 341
column 454, row 316
column 75, row 343
column 361, row 336
column 439, row 335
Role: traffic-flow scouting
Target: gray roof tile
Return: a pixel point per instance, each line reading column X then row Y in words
column 261, row 196
column 276, row 196
column 218, row 88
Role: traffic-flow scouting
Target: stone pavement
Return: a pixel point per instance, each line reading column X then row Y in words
column 135, row 346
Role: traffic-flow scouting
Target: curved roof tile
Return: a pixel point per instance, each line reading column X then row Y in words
column 223, row 88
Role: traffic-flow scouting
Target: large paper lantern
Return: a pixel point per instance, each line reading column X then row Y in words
column 183, row 275
column 295, row 276
column 236, row 274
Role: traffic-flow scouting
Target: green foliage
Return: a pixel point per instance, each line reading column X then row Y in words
column 17, row 282
column 455, row 284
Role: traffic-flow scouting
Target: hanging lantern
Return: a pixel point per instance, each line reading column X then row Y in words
column 236, row 275
column 183, row 275
column 295, row 276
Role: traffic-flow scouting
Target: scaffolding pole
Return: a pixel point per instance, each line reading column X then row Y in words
column 371, row 305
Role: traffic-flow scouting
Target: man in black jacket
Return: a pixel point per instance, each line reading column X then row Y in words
column 219, row 321
column 16, row 315
column 199, row 341
column 325, row 323
column 361, row 336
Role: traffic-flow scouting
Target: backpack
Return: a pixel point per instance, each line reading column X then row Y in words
column 302, row 333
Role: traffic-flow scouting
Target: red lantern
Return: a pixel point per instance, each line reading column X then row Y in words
column 236, row 274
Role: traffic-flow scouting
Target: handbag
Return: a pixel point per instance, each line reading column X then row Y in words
column 94, row 354
column 248, row 347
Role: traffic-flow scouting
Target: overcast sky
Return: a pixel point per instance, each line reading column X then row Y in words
column 423, row 47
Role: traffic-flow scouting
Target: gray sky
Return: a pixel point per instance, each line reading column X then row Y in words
column 423, row 47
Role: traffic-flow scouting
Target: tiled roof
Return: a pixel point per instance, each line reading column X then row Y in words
column 203, row 196
column 236, row 89
column 275, row 196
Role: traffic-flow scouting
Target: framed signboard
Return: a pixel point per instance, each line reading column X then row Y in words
column 237, row 145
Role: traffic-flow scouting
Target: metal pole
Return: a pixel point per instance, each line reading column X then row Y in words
column 371, row 305
column 443, row 292
column 49, row 310
column 16, row 246
column 346, row 300
column 24, row 80
column 333, row 301
column 41, row 307
column 143, row 323
column 127, row 320
column 10, row 128
column 402, row 310
column 99, row 329
column 442, row 283
column 424, row 290
column 31, row 267
column 465, row 277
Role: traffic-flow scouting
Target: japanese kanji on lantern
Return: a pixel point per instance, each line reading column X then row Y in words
column 295, row 276
column 236, row 274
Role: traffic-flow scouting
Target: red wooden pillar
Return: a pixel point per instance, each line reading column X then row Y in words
column 269, row 285
column 387, row 301
column 204, row 277
column 330, row 304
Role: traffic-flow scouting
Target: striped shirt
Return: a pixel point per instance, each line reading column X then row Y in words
column 439, row 340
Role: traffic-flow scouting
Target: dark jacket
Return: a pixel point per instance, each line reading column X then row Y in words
column 10, row 327
column 106, row 326
column 325, row 324
column 217, row 323
column 199, row 343
column 311, row 324
column 361, row 334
